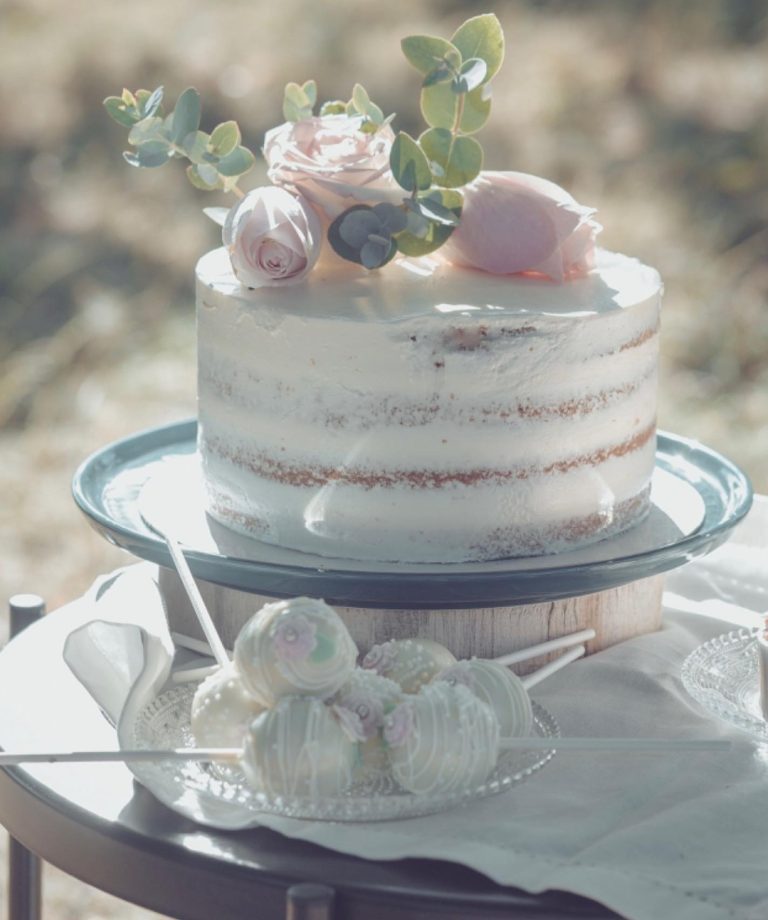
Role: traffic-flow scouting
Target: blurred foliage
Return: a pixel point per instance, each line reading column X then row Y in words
column 654, row 111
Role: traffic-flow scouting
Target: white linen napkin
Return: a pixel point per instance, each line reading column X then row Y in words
column 652, row 836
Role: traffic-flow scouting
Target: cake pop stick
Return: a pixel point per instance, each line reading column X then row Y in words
column 233, row 755
column 535, row 677
column 195, row 598
column 543, row 648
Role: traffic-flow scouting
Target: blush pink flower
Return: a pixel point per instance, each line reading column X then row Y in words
column 273, row 237
column 294, row 638
column 458, row 673
column 399, row 725
column 332, row 162
column 512, row 222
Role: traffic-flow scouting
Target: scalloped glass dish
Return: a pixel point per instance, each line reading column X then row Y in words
column 220, row 796
column 722, row 675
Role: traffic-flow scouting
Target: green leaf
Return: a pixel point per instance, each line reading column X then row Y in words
column 197, row 178
column 310, row 91
column 460, row 158
column 117, row 111
column 195, row 145
column 339, row 245
column 224, row 138
column 149, row 155
column 440, row 74
column 409, row 166
column 411, row 245
column 240, row 161
column 439, row 105
column 360, row 98
column 148, row 103
column 481, row 37
column 186, row 115
column 335, row 107
column 426, row 52
column 148, row 129
column 471, row 75
column 443, row 206
column 297, row 102
column 129, row 99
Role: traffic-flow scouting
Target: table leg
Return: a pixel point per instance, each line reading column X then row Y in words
column 309, row 902
column 24, row 867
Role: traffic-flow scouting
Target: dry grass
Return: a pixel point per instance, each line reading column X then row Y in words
column 655, row 112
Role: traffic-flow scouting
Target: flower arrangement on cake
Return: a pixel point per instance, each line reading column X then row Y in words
column 403, row 357
column 342, row 173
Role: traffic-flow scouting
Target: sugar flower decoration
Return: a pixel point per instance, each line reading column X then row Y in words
column 399, row 725
column 294, row 638
column 380, row 658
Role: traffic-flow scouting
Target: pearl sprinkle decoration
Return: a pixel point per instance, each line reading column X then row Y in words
column 222, row 709
column 411, row 663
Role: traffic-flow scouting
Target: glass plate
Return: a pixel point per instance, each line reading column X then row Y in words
column 698, row 497
column 722, row 675
column 200, row 790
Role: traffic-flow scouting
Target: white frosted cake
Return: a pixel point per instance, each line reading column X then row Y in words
column 404, row 357
column 429, row 413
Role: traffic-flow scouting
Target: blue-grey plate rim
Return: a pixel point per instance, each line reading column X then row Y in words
column 724, row 488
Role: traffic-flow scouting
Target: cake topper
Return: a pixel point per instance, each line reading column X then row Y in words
column 340, row 171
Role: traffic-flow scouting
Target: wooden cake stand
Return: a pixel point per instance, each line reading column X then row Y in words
column 136, row 489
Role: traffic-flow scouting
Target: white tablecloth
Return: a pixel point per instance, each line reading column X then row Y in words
column 652, row 836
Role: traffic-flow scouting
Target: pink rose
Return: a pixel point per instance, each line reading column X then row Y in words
column 512, row 222
column 273, row 237
column 399, row 725
column 332, row 162
column 381, row 658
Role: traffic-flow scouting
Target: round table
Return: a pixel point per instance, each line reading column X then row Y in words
column 96, row 823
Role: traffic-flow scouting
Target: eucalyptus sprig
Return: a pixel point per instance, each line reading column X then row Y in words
column 455, row 103
column 217, row 160
column 299, row 103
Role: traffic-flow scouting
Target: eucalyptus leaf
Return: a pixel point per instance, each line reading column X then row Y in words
column 412, row 245
column 408, row 163
column 440, row 107
column 471, row 75
column 129, row 99
column 310, row 91
column 391, row 216
column 335, row 107
column 435, row 211
column 224, row 138
column 376, row 253
column 240, row 161
column 426, row 52
column 198, row 181
column 460, row 157
column 148, row 129
column 148, row 103
column 297, row 103
column 186, row 115
column 360, row 98
column 481, row 37
column 195, row 145
column 117, row 111
column 151, row 155
column 441, row 74
column 339, row 245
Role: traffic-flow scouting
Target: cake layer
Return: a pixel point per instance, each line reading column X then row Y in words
column 429, row 413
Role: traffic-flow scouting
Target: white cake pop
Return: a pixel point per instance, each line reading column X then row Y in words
column 412, row 663
column 441, row 740
column 222, row 709
column 299, row 646
column 299, row 748
column 370, row 698
column 500, row 688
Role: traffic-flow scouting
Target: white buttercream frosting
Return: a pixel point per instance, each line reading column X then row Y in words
column 222, row 709
column 428, row 412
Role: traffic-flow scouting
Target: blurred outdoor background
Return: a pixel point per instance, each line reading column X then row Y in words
column 653, row 111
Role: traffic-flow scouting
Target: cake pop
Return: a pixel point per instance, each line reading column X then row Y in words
column 500, row 688
column 441, row 740
column 299, row 748
column 412, row 663
column 370, row 698
column 298, row 646
column 222, row 709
